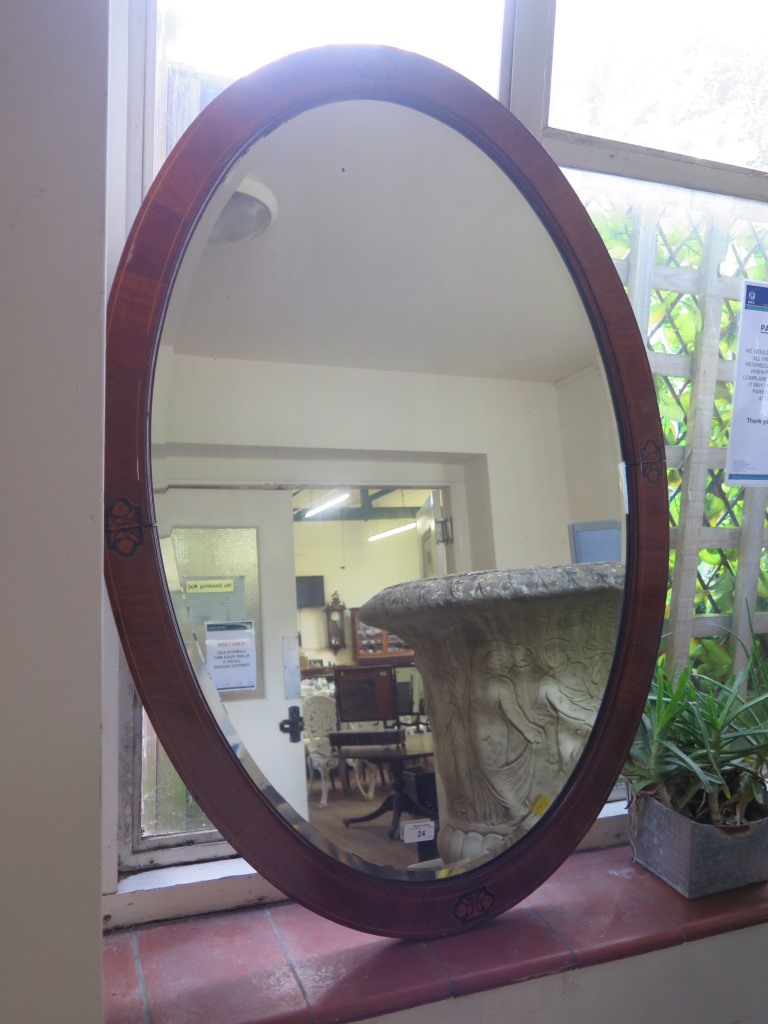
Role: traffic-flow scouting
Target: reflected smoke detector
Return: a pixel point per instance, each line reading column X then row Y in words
column 249, row 211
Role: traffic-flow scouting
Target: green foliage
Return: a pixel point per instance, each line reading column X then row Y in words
column 702, row 745
column 715, row 581
column 674, row 494
column 674, row 322
column 670, row 578
column 729, row 328
column 614, row 222
column 679, row 239
column 721, row 414
column 711, row 656
column 673, row 395
column 746, row 255
column 723, row 503
column 762, row 583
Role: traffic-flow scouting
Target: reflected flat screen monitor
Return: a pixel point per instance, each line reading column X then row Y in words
column 310, row 591
column 598, row 541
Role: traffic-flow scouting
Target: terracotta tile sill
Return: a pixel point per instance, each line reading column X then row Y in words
column 285, row 964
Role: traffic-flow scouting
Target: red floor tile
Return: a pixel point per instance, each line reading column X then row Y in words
column 258, row 966
column 711, row 915
column 227, row 968
column 122, row 993
column 515, row 946
column 598, row 915
column 348, row 975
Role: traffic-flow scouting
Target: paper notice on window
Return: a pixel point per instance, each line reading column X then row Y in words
column 230, row 649
column 747, row 459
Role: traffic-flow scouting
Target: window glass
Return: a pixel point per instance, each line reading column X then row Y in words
column 683, row 256
column 203, row 47
column 167, row 807
column 682, row 77
column 687, row 77
column 762, row 583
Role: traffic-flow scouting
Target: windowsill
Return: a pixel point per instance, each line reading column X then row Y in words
column 286, row 964
column 172, row 892
column 164, row 893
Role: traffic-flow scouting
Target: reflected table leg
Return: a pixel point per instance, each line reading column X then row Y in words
column 398, row 802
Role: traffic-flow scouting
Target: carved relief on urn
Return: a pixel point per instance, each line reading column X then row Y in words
column 514, row 664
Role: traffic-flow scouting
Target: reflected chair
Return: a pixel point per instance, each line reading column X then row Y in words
column 319, row 712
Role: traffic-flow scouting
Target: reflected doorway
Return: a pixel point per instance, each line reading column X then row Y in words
column 362, row 540
column 376, row 537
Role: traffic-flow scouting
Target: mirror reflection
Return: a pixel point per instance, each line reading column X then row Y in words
column 393, row 325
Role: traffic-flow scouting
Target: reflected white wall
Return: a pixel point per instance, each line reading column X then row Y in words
column 260, row 410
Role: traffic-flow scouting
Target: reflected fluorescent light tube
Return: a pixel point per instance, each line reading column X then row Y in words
column 326, row 505
column 391, row 533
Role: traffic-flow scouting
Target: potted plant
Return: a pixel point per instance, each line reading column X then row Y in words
column 698, row 815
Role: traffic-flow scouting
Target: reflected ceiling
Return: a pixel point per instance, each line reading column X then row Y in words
column 386, row 270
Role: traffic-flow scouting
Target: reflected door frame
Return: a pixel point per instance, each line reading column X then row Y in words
column 269, row 513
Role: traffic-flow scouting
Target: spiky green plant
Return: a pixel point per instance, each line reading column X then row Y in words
column 702, row 745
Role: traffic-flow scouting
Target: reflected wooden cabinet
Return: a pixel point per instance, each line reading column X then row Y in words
column 373, row 646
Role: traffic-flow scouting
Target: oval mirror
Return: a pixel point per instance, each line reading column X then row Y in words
column 359, row 283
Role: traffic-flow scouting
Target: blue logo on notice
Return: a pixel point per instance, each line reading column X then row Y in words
column 756, row 296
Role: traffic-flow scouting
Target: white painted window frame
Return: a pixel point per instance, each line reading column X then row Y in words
column 166, row 891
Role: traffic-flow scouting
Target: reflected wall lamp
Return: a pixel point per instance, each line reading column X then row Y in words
column 249, row 211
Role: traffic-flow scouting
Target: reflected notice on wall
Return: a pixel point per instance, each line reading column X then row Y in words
column 231, row 661
column 213, row 578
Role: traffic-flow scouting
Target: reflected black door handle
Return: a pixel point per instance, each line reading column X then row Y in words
column 293, row 724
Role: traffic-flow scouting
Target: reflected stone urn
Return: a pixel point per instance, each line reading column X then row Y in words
column 514, row 663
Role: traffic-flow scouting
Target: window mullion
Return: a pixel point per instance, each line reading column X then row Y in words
column 697, row 457
column 141, row 99
column 603, row 156
column 641, row 266
column 529, row 35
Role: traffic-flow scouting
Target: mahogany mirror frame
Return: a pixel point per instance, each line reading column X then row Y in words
column 249, row 109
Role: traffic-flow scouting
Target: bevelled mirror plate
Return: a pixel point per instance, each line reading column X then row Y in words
column 417, row 305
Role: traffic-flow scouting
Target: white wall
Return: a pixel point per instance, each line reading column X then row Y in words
column 242, row 405
column 339, row 551
column 53, row 109
column 591, row 452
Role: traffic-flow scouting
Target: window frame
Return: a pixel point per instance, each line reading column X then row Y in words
column 530, row 37
column 534, row 23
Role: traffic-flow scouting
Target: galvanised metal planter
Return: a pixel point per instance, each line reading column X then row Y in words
column 693, row 858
